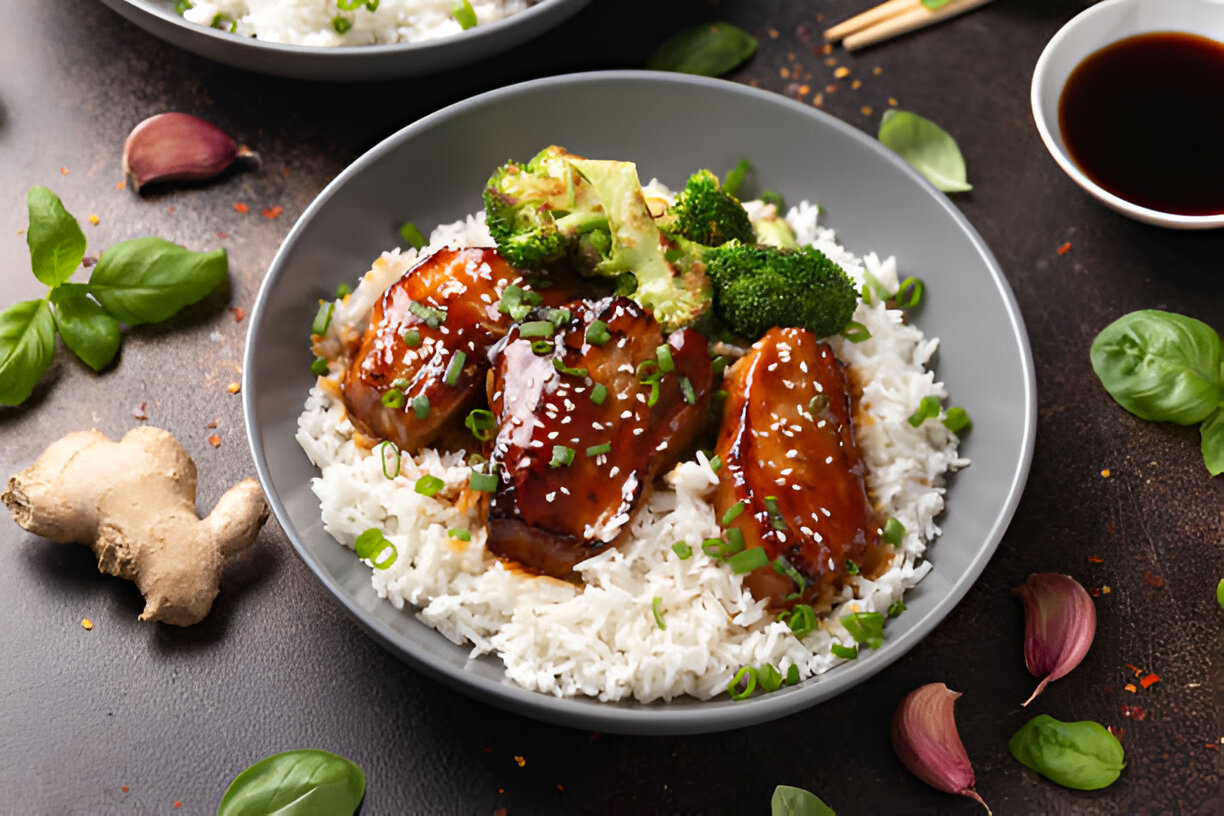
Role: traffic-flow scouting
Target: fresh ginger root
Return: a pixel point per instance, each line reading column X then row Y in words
column 133, row 503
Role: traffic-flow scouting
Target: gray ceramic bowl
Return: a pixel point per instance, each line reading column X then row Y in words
column 434, row 170
column 345, row 64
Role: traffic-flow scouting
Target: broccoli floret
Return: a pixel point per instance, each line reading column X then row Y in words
column 759, row 287
column 542, row 211
column 706, row 214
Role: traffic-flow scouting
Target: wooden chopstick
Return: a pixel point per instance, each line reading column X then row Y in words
column 892, row 19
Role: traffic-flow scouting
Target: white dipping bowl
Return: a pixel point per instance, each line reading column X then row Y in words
column 1088, row 32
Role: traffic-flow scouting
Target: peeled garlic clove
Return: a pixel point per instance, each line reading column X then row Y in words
column 177, row 147
column 1059, row 624
column 925, row 738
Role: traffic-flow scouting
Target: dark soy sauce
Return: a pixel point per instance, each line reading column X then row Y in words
column 1144, row 119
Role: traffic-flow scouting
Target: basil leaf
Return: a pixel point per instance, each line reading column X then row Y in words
column 1160, row 366
column 927, row 147
column 1220, row 593
column 1212, row 432
column 1080, row 755
column 86, row 327
column 57, row 244
column 147, row 280
column 711, row 49
column 788, row 801
column 27, row 344
column 305, row 782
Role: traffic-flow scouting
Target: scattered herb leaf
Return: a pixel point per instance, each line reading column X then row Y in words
column 926, row 147
column 789, row 801
column 710, row 49
column 1081, row 755
column 296, row 783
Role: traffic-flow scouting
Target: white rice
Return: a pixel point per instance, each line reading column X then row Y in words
column 312, row 22
column 601, row 639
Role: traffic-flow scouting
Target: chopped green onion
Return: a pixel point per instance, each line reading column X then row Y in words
column 852, row 568
column 599, row 450
column 386, row 556
column 454, row 369
column 716, row 463
column 845, row 652
column 323, row 317
column 818, row 404
column 599, row 393
column 560, row 318
column 776, row 519
column 459, row 534
column 484, row 482
column 927, row 408
column 319, row 366
column 748, row 676
column 341, row 25
column 342, row 290
column 369, row 543
column 597, row 333
column 865, row 294
column 856, row 332
column 873, row 285
column 769, row 677
column 896, row 609
column 735, row 177
column 475, row 459
column 783, row 567
column 802, row 620
column 517, row 302
column 562, row 368
column 183, row 5
column 648, row 371
column 542, row 347
column 893, row 532
column 732, row 512
column 683, row 550
column 775, row 198
column 720, row 395
column 712, row 547
column 654, row 394
column 536, row 328
column 464, row 14
column 718, row 365
column 420, row 406
column 224, row 22
column 349, row 5
column 666, row 363
column 390, row 463
column 746, row 561
column 428, row 485
column 412, row 338
column 481, row 423
column 431, row 317
column 409, row 232
column 393, row 398
column 735, row 540
column 909, row 293
column 686, row 389
column 865, row 627
column 656, row 607
column 957, row 419
column 792, row 675
column 561, row 456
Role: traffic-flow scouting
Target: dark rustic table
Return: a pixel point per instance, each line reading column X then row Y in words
column 144, row 718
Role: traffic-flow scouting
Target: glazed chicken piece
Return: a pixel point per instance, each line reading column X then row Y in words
column 580, row 437
column 427, row 345
column 788, row 452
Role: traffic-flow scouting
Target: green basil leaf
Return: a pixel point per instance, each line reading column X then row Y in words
column 1160, row 366
column 147, row 280
column 1080, row 755
column 27, row 344
column 57, row 244
column 86, row 327
column 711, row 49
column 1220, row 593
column 1212, row 432
column 927, row 147
column 788, row 801
column 306, row 782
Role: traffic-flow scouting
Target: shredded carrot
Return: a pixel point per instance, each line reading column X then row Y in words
column 1149, row 680
column 1065, row 248
column 273, row 212
column 87, row 623
column 240, row 207
column 215, row 441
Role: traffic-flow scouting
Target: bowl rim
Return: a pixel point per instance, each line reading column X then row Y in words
column 631, row 717
column 1039, row 95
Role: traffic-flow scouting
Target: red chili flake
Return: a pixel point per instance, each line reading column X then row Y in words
column 1095, row 559
column 63, row 171
column 273, row 212
column 1213, row 746
column 215, row 441
column 221, row 234
column 1149, row 680
column 1094, row 592
column 560, row 787
column 1130, row 687
column 499, row 811
column 124, row 788
column 89, row 261
column 139, row 412
column 285, row 172
column 1117, row 732
column 1135, row 669
column 93, row 219
column 120, row 185
column 488, row 749
column 239, row 313
column 86, row 623
column 170, row 210
column 178, row 803
column 234, row 387
column 520, row 761
column 212, row 424
column 1105, row 473
column 1153, row 580
column 240, row 207
column 1065, row 248
column 1133, row 712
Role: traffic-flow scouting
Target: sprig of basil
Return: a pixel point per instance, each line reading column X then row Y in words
column 789, row 801
column 927, row 148
column 145, row 280
column 1081, row 755
column 1166, row 367
column 305, row 782
column 711, row 49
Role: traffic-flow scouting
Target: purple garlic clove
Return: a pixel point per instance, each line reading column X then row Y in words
column 1059, row 624
column 925, row 738
column 177, row 147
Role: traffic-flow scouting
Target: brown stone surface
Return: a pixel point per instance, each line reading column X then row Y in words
column 173, row 715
